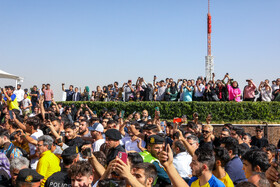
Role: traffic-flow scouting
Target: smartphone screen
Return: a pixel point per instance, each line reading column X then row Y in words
column 11, row 114
column 122, row 114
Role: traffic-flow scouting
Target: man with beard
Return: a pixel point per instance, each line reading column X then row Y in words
column 96, row 133
column 83, row 129
column 71, row 138
column 113, row 137
column 202, row 165
column 207, row 132
column 155, row 146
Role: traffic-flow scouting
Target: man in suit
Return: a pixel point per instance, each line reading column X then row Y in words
column 76, row 95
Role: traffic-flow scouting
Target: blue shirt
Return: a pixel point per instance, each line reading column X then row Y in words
column 187, row 95
column 213, row 182
column 235, row 171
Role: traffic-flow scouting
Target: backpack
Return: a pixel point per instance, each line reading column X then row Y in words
column 24, row 153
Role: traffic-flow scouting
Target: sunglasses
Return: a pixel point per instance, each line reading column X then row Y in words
column 258, row 130
column 206, row 132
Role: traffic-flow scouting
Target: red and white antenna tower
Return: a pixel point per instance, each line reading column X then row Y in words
column 209, row 59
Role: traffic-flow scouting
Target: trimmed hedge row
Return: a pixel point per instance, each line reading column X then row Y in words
column 221, row 111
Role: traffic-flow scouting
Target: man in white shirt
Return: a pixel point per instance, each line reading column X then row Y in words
column 20, row 94
column 32, row 128
column 198, row 90
column 26, row 105
column 96, row 133
column 182, row 159
column 131, row 142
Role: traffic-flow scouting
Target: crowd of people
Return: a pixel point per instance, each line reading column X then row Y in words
column 43, row 143
column 226, row 89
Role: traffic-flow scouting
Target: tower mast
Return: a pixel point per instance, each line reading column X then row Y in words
column 209, row 60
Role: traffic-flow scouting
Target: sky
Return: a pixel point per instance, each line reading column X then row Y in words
column 96, row 42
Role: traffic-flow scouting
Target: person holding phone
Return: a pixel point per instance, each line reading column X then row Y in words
column 113, row 137
column 11, row 100
column 155, row 146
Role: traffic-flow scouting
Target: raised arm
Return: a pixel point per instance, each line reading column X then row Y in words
column 166, row 159
column 63, row 87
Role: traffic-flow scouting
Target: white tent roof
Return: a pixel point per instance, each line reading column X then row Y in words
column 6, row 75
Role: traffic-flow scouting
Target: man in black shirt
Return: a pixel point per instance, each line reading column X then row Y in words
column 113, row 137
column 69, row 92
column 34, row 97
column 71, row 138
column 69, row 156
column 259, row 140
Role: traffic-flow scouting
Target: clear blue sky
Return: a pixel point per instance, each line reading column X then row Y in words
column 94, row 42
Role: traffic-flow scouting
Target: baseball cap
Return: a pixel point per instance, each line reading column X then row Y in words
column 96, row 127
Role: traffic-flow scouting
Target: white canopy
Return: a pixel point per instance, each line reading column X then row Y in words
column 6, row 75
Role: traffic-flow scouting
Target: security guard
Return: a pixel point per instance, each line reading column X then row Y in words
column 28, row 177
column 113, row 137
column 154, row 146
column 70, row 155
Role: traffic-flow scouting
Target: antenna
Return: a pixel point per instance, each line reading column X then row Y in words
column 209, row 60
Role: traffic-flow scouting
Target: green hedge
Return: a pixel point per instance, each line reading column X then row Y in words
column 221, row 111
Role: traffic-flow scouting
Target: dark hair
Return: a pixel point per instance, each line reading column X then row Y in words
column 4, row 132
column 205, row 156
column 68, row 159
column 259, row 127
column 80, row 168
column 225, row 129
column 69, row 126
column 149, row 170
column 228, row 125
column 245, row 184
column 94, row 119
column 180, row 145
column 221, row 154
column 257, row 158
column 34, row 122
column 111, row 122
column 87, row 122
column 134, row 158
column 230, row 144
column 242, row 149
column 192, row 125
column 247, row 134
column 13, row 124
column 239, row 131
column 101, row 157
column 116, row 83
column 137, row 125
column 272, row 148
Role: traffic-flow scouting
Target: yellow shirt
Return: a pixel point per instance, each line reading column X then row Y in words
column 227, row 181
column 47, row 165
column 13, row 104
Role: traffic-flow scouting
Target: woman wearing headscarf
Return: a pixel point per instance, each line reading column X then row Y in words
column 172, row 91
column 85, row 94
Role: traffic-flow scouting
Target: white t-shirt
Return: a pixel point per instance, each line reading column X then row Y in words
column 96, row 145
column 32, row 148
column 130, row 145
column 182, row 163
column 199, row 93
column 25, row 103
column 19, row 94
